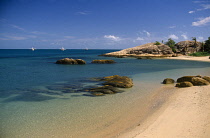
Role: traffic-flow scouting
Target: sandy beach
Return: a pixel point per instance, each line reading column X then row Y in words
column 186, row 114
column 203, row 59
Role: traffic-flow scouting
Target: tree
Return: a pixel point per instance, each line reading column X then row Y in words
column 157, row 43
column 207, row 45
column 195, row 44
column 171, row 43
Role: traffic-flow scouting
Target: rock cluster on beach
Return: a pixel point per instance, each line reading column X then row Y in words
column 70, row 61
column 110, row 85
column 188, row 81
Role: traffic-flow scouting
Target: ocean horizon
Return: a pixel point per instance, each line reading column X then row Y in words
column 39, row 98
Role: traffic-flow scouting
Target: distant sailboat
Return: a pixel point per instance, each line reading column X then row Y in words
column 86, row 48
column 62, row 48
column 32, row 49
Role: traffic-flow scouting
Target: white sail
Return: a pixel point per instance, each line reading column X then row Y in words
column 63, row 49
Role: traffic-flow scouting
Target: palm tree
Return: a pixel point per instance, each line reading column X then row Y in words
column 195, row 44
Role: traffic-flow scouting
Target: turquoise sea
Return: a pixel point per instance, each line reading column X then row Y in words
column 39, row 98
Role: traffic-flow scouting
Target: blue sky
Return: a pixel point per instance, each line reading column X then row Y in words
column 100, row 24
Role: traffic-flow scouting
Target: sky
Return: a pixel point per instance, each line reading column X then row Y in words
column 100, row 24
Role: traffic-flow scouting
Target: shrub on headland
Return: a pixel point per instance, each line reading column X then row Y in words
column 157, row 43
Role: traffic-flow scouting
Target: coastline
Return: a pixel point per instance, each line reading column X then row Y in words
column 202, row 59
column 185, row 113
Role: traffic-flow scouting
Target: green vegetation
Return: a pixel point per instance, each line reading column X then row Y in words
column 200, row 54
column 171, row 43
column 207, row 45
column 157, row 43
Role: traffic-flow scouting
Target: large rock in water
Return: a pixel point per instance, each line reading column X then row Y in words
column 118, row 81
column 70, row 61
column 149, row 49
column 188, row 47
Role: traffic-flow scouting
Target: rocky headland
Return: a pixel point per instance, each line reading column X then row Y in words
column 149, row 49
column 160, row 50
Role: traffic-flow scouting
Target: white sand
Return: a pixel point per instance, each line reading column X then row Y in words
column 185, row 115
column 205, row 58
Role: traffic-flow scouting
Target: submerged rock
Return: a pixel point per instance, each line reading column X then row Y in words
column 111, row 85
column 70, row 61
column 105, row 89
column 168, row 81
column 103, row 61
column 118, row 81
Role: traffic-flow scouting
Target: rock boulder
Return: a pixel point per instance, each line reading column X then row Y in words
column 70, row 61
column 184, row 84
column 168, row 81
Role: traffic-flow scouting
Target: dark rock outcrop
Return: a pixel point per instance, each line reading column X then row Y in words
column 168, row 81
column 188, row 47
column 103, row 61
column 70, row 61
column 184, row 84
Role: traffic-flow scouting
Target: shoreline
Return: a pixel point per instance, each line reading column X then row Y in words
column 192, row 58
column 186, row 113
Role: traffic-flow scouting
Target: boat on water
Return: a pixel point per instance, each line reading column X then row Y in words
column 32, row 49
column 86, row 48
column 62, row 48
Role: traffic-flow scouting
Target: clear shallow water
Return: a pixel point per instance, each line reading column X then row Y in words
column 41, row 99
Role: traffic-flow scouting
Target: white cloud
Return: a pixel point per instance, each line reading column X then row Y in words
column 17, row 27
column 200, row 38
column 201, row 22
column 148, row 34
column 37, row 32
column 139, row 38
column 83, row 13
column 13, row 38
column 199, row 1
column 205, row 6
column 112, row 37
column 172, row 36
column 68, row 37
column 184, row 36
column 172, row 27
column 191, row 12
